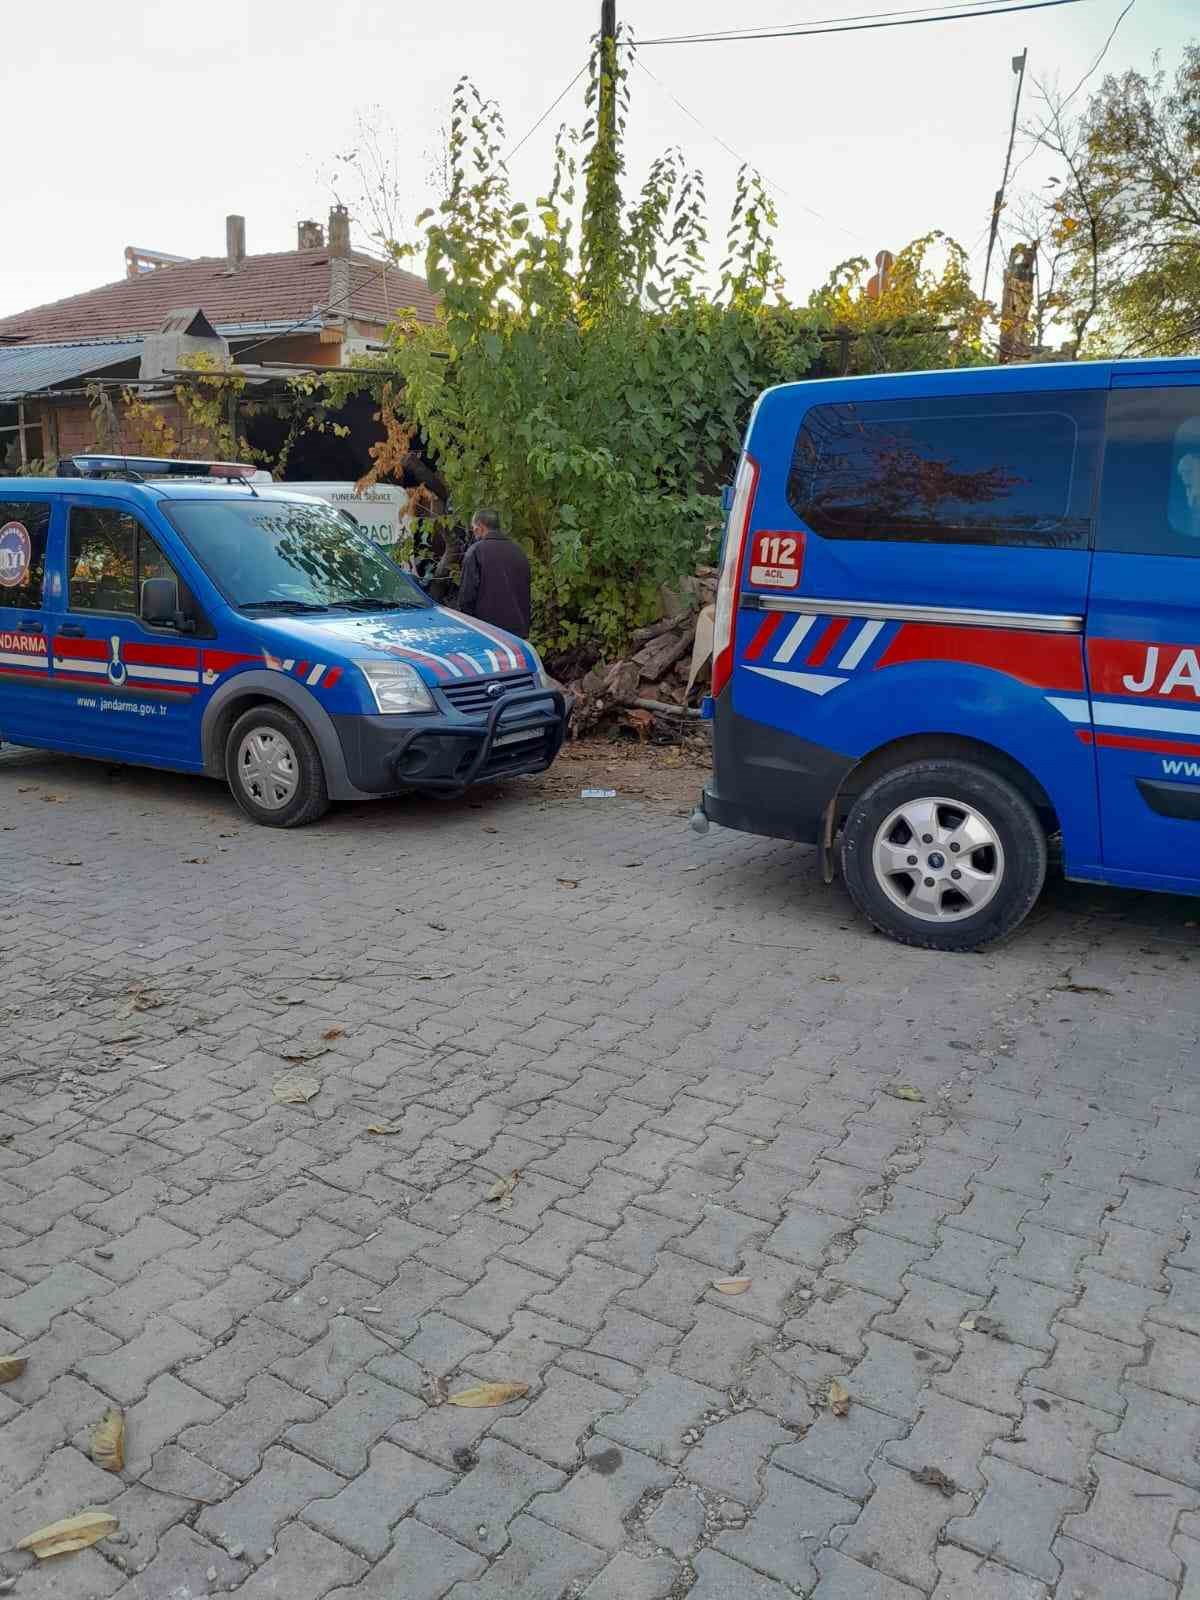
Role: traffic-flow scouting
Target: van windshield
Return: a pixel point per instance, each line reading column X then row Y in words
column 284, row 555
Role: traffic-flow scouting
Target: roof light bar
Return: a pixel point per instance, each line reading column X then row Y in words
column 100, row 466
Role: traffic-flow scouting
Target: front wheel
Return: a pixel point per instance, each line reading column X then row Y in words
column 944, row 855
column 274, row 768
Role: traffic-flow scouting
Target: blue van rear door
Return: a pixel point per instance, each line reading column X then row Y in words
column 918, row 564
column 1143, row 640
column 27, row 554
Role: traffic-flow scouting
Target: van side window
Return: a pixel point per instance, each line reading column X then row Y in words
column 1150, row 500
column 1008, row 469
column 24, row 525
column 110, row 555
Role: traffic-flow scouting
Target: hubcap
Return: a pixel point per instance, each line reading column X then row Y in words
column 938, row 859
column 267, row 768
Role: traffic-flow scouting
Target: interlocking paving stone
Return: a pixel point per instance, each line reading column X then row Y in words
column 540, row 1563
column 966, row 1577
column 1056, row 1437
column 253, row 1515
column 1016, row 1521
column 1086, row 1571
column 900, row 1526
column 1132, row 1516
column 836, row 1451
column 478, row 1509
column 342, row 1437
column 605, row 1490
column 789, row 1505
column 952, row 1437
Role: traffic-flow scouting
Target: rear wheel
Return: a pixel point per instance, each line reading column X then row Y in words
column 274, row 768
column 944, row 855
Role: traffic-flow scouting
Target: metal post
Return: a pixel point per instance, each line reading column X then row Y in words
column 21, row 433
column 1018, row 66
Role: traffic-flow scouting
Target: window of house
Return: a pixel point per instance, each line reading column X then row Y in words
column 975, row 469
column 1150, row 502
column 110, row 556
column 24, row 526
column 21, row 442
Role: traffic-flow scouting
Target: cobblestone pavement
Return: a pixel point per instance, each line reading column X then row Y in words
column 963, row 1187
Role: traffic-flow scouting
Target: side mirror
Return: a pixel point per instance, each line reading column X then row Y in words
column 160, row 602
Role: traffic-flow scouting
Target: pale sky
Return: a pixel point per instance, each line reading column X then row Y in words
column 145, row 123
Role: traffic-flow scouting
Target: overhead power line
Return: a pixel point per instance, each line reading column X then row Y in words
column 744, row 160
column 771, row 30
column 883, row 20
column 557, row 101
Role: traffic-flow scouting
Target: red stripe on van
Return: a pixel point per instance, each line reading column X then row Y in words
column 1045, row 660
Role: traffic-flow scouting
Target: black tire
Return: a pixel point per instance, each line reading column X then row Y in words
column 300, row 795
column 1010, row 877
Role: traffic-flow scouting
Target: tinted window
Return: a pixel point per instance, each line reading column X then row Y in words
column 1150, row 504
column 980, row 469
column 23, row 528
column 291, row 555
column 110, row 555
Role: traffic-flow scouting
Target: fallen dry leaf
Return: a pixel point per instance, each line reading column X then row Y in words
column 387, row 1127
column 195, row 861
column 487, row 828
column 65, row 861
column 11, row 1368
column 288, row 999
column 903, row 1091
column 936, row 1479
column 304, row 1052
column 333, row 1033
column 108, row 1441
column 295, row 1088
column 731, row 1285
column 501, row 1191
column 488, row 1394
column 569, row 883
column 72, row 1533
column 839, row 1397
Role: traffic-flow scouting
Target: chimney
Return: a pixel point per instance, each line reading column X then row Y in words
column 310, row 236
column 235, row 242
column 339, row 231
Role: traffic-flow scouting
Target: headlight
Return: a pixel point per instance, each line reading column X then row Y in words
column 396, row 687
column 541, row 677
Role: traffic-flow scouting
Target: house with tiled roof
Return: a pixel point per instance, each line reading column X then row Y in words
column 267, row 316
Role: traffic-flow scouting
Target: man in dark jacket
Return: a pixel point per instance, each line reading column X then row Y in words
column 495, row 577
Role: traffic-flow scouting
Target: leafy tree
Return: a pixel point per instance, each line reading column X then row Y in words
column 1117, row 237
column 924, row 315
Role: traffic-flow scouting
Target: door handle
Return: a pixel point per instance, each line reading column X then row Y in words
column 30, row 625
column 72, row 630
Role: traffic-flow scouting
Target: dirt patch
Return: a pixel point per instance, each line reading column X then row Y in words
column 665, row 775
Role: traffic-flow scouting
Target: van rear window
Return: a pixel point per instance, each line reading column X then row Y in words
column 977, row 469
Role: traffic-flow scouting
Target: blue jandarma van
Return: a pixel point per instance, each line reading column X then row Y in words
column 180, row 615
column 958, row 618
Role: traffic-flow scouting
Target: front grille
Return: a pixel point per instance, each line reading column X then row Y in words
column 472, row 697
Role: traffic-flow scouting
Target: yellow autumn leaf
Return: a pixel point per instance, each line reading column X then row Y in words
column 839, row 1397
column 731, row 1285
column 488, row 1394
column 72, row 1533
column 11, row 1368
column 108, row 1441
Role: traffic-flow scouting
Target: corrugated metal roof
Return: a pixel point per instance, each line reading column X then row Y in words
column 28, row 368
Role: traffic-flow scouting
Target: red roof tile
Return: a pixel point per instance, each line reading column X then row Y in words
column 283, row 287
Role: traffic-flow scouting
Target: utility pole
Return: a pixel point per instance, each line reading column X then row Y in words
column 602, row 226
column 1018, row 66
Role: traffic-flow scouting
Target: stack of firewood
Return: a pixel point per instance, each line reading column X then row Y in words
column 665, row 675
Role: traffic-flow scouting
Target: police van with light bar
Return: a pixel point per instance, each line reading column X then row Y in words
column 188, row 615
column 958, row 619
